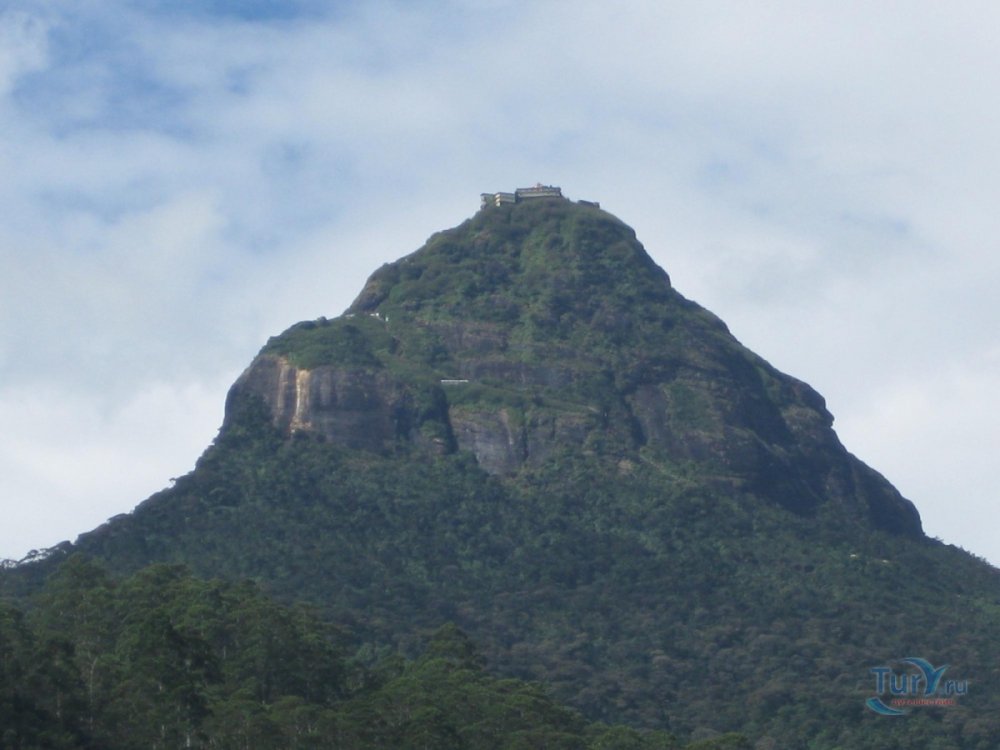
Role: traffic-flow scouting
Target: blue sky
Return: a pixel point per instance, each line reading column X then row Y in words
column 179, row 181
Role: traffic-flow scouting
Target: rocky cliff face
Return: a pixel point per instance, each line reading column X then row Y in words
column 375, row 411
column 354, row 408
column 533, row 330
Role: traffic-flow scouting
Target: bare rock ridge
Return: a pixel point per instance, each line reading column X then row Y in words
column 539, row 328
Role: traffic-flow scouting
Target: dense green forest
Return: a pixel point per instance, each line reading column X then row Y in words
column 164, row 660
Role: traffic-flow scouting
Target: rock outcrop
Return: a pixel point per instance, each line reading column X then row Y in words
column 351, row 407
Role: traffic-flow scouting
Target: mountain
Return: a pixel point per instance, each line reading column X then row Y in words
column 522, row 428
column 545, row 328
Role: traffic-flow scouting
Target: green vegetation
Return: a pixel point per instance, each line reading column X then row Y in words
column 533, row 268
column 346, row 342
column 164, row 660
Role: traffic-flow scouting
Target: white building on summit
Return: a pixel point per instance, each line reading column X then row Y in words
column 538, row 191
column 521, row 194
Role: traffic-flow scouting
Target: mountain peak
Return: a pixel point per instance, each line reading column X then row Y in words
column 542, row 258
column 540, row 328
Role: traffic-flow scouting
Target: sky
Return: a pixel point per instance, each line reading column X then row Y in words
column 181, row 180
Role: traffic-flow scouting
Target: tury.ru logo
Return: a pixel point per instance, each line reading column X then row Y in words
column 918, row 683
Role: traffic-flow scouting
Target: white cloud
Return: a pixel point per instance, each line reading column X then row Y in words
column 23, row 47
column 934, row 435
column 70, row 461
